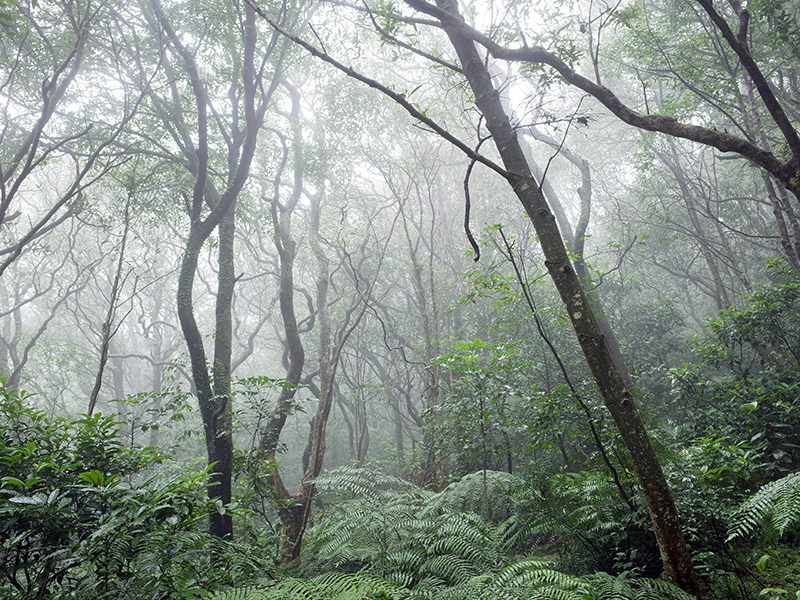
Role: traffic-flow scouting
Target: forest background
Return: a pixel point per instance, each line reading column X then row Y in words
column 523, row 277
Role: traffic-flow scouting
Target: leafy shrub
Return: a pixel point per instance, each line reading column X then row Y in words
column 78, row 518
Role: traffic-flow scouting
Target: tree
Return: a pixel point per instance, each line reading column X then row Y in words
column 610, row 381
column 203, row 144
column 49, row 125
column 759, row 150
column 332, row 334
column 19, row 335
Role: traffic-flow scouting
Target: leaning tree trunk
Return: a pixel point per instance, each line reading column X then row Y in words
column 610, row 382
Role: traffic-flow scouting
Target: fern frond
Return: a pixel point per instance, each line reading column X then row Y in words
column 329, row 586
column 520, row 573
column 450, row 568
column 776, row 505
column 402, row 580
column 473, row 492
column 606, row 587
column 245, row 593
column 361, row 482
column 407, row 560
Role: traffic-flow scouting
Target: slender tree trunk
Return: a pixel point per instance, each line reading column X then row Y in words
column 672, row 161
column 211, row 409
column 425, row 291
column 610, row 382
column 291, row 509
column 215, row 402
column 107, row 329
column 574, row 240
column 157, row 369
column 223, row 438
column 397, row 419
column 127, row 429
column 315, row 452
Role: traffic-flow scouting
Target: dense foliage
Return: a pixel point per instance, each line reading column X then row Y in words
column 84, row 517
column 399, row 299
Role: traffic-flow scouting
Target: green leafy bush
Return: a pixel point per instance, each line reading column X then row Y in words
column 79, row 518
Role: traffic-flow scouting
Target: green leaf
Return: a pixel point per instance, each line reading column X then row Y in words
column 94, row 477
column 762, row 563
column 13, row 481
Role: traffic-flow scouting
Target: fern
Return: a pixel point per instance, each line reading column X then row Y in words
column 429, row 546
column 524, row 580
column 362, row 483
column 535, row 580
column 329, row 586
column 776, row 505
column 407, row 535
column 246, row 593
column 606, row 587
column 473, row 492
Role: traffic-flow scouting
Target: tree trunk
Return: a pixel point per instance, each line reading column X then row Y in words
column 290, row 510
column 610, row 382
column 435, row 475
column 211, row 408
column 215, row 402
column 223, row 438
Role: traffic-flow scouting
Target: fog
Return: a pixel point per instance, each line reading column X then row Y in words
column 530, row 268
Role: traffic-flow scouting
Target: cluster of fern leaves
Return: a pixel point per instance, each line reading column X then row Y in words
column 383, row 539
column 523, row 580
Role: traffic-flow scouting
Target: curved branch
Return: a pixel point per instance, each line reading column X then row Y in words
column 720, row 140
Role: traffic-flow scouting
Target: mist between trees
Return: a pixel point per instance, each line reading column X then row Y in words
column 399, row 299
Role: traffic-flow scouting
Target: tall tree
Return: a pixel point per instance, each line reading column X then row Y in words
column 332, row 334
column 48, row 70
column 783, row 165
column 610, row 381
column 216, row 131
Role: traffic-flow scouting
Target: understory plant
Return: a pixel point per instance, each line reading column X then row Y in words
column 380, row 537
column 81, row 516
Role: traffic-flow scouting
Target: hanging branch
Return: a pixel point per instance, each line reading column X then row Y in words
column 467, row 198
column 106, row 332
column 575, row 395
column 561, row 144
column 467, row 207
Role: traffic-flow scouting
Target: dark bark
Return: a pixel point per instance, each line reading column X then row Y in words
column 214, row 402
column 610, row 382
column 291, row 508
column 223, row 425
column 107, row 329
